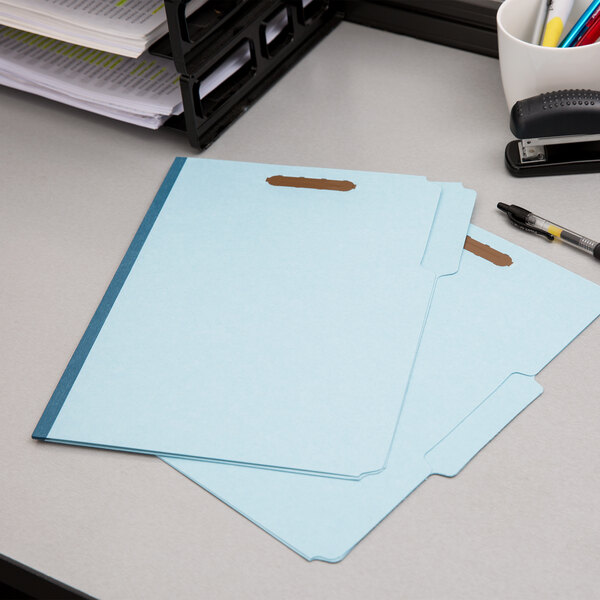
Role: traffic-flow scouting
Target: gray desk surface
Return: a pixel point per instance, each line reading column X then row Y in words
column 521, row 521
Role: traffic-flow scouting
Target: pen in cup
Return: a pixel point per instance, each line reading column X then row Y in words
column 591, row 30
column 556, row 18
column 579, row 29
column 540, row 21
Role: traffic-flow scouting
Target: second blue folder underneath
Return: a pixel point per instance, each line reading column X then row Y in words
column 490, row 329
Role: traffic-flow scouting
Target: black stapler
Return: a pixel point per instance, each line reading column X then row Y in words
column 559, row 134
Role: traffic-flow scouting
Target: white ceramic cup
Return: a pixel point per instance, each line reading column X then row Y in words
column 528, row 69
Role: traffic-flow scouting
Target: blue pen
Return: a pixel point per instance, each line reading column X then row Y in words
column 579, row 27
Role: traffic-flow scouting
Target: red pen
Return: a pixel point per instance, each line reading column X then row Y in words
column 592, row 32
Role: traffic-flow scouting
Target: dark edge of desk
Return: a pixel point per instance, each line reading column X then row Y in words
column 30, row 583
column 465, row 24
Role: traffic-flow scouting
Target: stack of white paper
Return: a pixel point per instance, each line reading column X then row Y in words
column 144, row 91
column 126, row 27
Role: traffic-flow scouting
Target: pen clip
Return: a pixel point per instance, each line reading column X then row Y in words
column 525, row 227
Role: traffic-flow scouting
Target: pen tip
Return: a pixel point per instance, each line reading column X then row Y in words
column 503, row 207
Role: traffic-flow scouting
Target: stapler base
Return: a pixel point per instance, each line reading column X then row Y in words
column 559, row 159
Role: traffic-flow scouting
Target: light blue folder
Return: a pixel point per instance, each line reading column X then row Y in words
column 489, row 331
column 255, row 324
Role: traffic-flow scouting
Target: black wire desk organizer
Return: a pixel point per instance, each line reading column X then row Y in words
column 262, row 39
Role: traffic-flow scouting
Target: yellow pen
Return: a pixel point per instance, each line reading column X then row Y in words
column 556, row 18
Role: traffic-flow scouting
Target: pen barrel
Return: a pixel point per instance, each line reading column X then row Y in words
column 577, row 30
column 581, row 242
column 561, row 9
column 566, row 235
column 558, row 13
column 540, row 22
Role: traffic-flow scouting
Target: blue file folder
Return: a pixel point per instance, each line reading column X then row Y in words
column 258, row 324
column 490, row 330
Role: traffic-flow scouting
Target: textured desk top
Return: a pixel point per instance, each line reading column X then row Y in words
column 520, row 521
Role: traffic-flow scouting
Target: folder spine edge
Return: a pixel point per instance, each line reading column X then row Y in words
column 93, row 329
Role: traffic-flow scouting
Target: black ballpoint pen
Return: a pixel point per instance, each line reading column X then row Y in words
column 523, row 219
